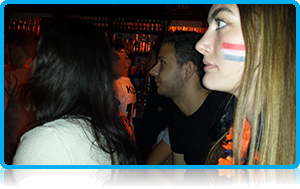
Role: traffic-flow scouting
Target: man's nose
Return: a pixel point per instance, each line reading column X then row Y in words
column 154, row 71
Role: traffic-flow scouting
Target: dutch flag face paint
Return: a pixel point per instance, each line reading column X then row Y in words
column 233, row 52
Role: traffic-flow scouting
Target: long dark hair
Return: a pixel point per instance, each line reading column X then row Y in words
column 72, row 77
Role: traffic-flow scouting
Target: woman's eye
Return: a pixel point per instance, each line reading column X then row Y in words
column 220, row 23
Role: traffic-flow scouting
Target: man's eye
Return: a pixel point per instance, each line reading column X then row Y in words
column 220, row 23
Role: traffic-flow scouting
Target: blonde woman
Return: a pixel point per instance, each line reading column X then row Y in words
column 250, row 51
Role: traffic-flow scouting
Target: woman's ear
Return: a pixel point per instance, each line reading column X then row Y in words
column 189, row 69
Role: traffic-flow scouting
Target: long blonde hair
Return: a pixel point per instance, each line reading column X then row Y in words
column 269, row 32
column 270, row 38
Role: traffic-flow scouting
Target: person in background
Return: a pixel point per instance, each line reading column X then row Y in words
column 124, row 89
column 71, row 93
column 6, row 49
column 132, row 69
column 178, row 73
column 20, row 51
column 126, row 122
column 250, row 52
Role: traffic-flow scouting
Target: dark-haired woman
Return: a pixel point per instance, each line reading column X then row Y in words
column 71, row 93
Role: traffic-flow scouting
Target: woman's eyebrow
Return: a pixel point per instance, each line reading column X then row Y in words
column 217, row 11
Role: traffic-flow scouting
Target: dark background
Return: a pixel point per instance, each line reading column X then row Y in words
column 196, row 12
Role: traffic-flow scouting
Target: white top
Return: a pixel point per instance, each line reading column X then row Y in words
column 164, row 135
column 126, row 94
column 60, row 142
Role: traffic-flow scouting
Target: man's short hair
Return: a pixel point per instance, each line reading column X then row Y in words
column 184, row 45
column 120, row 45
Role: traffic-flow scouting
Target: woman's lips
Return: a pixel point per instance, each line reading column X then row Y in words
column 208, row 66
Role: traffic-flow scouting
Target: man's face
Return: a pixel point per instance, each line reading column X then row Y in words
column 167, row 73
column 122, row 64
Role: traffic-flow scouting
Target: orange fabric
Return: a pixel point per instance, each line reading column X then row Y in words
column 127, row 125
column 228, row 146
column 227, row 172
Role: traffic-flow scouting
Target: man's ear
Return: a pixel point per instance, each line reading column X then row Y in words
column 129, row 62
column 189, row 69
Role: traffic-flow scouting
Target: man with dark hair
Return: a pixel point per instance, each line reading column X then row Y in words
column 20, row 47
column 124, row 89
column 157, row 113
column 178, row 75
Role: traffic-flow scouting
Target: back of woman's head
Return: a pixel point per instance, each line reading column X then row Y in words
column 72, row 69
column 72, row 76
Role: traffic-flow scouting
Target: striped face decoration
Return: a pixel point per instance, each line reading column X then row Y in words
column 233, row 52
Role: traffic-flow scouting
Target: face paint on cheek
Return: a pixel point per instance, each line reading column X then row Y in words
column 233, row 52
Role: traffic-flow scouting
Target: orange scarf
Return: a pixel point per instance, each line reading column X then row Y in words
column 228, row 145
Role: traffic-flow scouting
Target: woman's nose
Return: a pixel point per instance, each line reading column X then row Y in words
column 204, row 45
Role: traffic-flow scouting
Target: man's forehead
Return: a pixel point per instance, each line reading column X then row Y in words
column 167, row 48
column 122, row 52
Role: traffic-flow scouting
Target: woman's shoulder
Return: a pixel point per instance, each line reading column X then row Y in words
column 60, row 142
column 59, row 127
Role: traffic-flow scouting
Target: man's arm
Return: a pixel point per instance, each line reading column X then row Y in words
column 178, row 174
column 159, row 154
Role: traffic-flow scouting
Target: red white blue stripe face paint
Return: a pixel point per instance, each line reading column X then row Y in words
column 223, row 47
column 233, row 52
